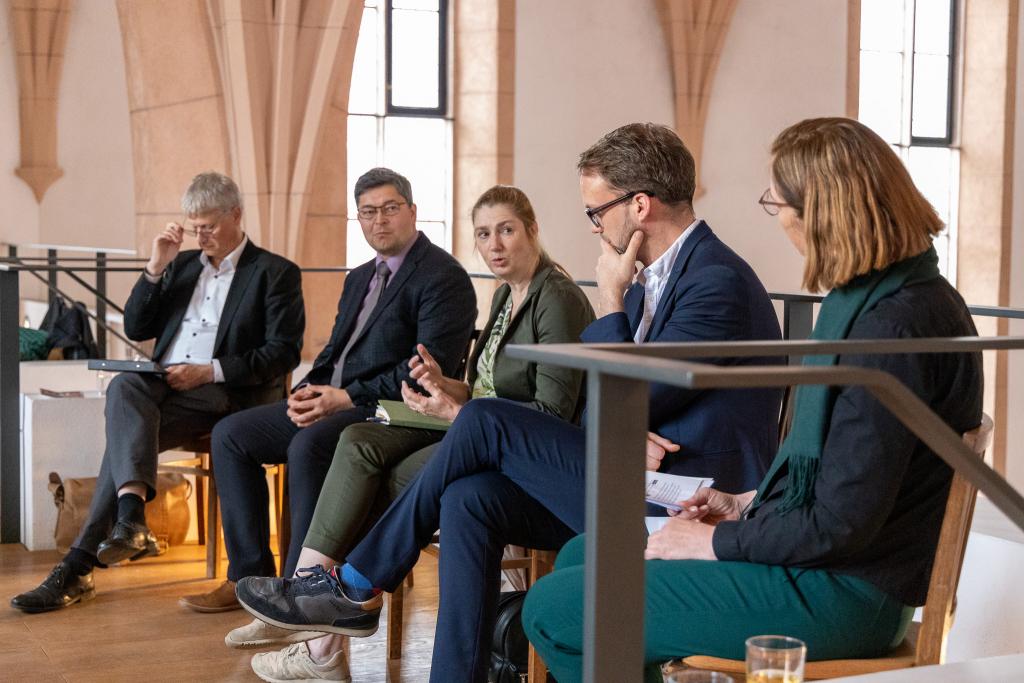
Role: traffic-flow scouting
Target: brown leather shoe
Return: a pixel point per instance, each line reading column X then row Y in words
column 220, row 599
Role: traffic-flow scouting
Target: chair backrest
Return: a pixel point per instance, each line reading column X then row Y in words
column 940, row 604
column 474, row 336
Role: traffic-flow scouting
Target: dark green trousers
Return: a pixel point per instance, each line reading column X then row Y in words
column 371, row 466
column 711, row 608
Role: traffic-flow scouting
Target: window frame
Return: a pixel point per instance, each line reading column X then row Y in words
column 441, row 110
column 951, row 91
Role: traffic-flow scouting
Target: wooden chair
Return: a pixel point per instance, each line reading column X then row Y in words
column 537, row 564
column 207, row 503
column 925, row 643
column 208, row 514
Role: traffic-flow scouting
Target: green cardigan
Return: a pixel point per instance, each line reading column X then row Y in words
column 554, row 311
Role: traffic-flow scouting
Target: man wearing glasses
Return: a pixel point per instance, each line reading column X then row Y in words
column 411, row 292
column 228, row 319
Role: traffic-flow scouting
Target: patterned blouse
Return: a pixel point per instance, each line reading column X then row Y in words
column 484, row 385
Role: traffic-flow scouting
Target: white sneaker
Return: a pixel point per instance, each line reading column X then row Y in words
column 294, row 664
column 262, row 634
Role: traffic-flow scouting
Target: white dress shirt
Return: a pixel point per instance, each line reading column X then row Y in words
column 654, row 277
column 193, row 344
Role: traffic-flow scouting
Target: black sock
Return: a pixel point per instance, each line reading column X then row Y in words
column 131, row 508
column 80, row 562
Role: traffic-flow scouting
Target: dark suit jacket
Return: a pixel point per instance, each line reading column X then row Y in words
column 260, row 332
column 429, row 301
column 711, row 295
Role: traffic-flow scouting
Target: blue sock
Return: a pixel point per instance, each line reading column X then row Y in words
column 355, row 585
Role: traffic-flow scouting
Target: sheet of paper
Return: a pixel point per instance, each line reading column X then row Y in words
column 666, row 490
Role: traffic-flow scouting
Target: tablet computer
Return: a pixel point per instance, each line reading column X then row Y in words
column 147, row 366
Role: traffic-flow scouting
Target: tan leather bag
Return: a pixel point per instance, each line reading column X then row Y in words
column 167, row 515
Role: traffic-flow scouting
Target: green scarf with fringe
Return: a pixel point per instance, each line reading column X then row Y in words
column 801, row 451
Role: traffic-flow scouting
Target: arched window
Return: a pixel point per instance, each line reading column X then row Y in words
column 399, row 113
column 908, row 68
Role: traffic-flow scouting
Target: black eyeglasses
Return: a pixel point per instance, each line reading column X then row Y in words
column 595, row 213
column 770, row 206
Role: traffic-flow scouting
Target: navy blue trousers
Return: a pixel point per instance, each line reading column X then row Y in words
column 245, row 441
column 503, row 474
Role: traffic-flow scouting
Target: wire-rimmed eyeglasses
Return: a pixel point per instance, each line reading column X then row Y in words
column 768, row 203
column 204, row 229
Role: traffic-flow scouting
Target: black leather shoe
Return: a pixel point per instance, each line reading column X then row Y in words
column 60, row 589
column 128, row 541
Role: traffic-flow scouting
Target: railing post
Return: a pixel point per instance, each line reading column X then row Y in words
column 797, row 322
column 51, row 277
column 613, row 614
column 101, row 303
column 10, row 450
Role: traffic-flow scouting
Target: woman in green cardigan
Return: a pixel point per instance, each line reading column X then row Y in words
column 537, row 303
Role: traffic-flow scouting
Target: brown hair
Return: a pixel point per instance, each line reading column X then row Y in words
column 860, row 208
column 643, row 157
column 516, row 199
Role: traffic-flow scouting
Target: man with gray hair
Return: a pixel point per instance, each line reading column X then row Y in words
column 228, row 319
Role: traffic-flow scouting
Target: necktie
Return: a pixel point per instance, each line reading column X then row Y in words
column 383, row 273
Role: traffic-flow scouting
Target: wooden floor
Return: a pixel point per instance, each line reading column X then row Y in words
column 135, row 630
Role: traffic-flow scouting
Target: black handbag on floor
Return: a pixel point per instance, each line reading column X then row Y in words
column 509, row 647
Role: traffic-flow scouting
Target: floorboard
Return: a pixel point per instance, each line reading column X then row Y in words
column 135, row 629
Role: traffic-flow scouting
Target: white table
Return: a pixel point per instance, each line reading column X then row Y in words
column 1008, row 669
column 62, row 435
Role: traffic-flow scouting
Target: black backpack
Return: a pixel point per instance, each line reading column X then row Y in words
column 509, row 647
column 69, row 330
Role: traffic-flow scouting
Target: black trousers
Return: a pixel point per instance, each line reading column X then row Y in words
column 144, row 416
column 242, row 443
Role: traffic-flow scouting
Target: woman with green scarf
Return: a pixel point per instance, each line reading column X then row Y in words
column 836, row 545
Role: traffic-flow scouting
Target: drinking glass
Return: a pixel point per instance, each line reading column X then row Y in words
column 696, row 676
column 775, row 659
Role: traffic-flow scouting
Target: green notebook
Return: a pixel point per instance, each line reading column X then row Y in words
column 398, row 414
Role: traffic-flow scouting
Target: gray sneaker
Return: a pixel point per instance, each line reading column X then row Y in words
column 294, row 664
column 313, row 601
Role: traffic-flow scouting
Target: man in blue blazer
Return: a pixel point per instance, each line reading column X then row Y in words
column 510, row 475
column 411, row 292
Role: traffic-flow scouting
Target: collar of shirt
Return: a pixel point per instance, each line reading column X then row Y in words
column 228, row 262
column 662, row 266
column 395, row 262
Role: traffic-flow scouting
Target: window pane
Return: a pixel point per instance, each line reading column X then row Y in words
column 930, row 169
column 881, row 93
column 431, row 5
column 357, row 251
column 414, row 59
column 362, row 94
column 362, row 152
column 931, row 96
column 418, row 149
column 881, row 25
column 931, row 26
column 435, row 232
column 371, row 3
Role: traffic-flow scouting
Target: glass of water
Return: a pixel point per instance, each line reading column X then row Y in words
column 775, row 659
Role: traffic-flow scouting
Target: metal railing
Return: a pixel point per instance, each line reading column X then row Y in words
column 797, row 322
column 617, row 397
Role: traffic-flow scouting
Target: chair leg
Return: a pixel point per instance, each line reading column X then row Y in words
column 212, row 531
column 537, row 670
column 408, row 580
column 395, row 619
column 284, row 517
column 201, row 509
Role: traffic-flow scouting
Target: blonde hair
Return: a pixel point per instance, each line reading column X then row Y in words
column 516, row 199
column 859, row 206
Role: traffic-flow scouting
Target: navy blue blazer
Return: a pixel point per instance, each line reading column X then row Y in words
column 711, row 295
column 430, row 301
